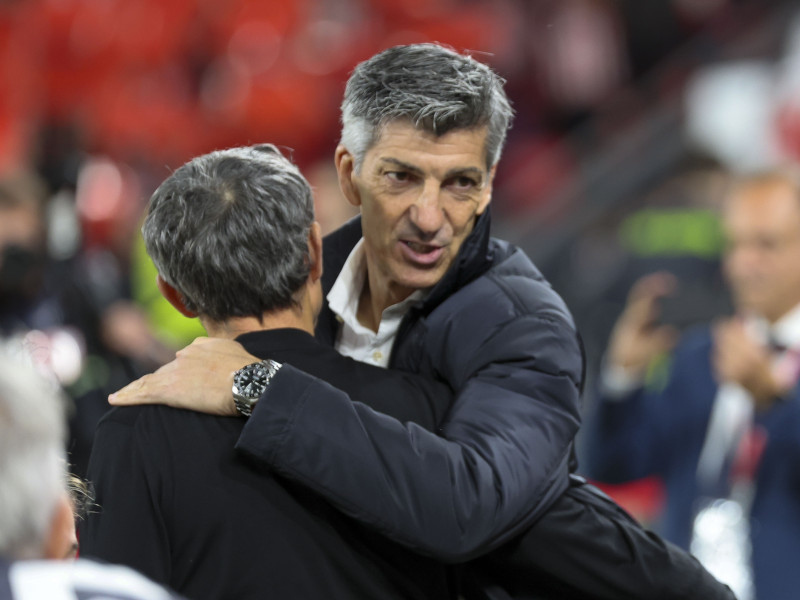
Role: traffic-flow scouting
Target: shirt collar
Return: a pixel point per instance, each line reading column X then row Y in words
column 346, row 290
column 786, row 330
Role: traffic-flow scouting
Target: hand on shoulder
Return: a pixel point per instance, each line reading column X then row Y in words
column 200, row 378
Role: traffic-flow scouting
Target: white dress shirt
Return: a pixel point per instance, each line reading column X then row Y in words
column 354, row 339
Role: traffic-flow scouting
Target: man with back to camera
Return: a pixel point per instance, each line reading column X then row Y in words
column 428, row 291
column 175, row 501
column 726, row 425
column 36, row 518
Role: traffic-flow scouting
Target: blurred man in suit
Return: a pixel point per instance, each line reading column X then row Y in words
column 724, row 431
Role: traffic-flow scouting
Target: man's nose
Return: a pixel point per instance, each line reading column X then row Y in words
column 426, row 211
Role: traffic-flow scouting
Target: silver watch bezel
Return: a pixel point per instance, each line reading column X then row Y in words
column 245, row 403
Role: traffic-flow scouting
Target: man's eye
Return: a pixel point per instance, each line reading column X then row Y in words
column 399, row 176
column 463, row 183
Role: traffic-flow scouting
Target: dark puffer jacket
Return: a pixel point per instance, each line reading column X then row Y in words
column 495, row 331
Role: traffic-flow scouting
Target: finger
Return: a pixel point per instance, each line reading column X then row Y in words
column 654, row 285
column 643, row 307
column 133, row 393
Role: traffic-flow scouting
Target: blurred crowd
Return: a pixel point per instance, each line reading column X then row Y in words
column 149, row 84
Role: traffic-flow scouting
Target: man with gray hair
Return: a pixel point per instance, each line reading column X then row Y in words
column 36, row 517
column 417, row 284
column 233, row 237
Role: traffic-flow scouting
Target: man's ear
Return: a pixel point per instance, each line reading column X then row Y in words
column 61, row 541
column 486, row 192
column 345, row 168
column 315, row 251
column 174, row 297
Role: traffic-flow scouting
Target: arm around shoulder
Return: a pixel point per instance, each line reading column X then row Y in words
column 503, row 449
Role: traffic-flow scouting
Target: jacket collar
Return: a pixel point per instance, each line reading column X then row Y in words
column 474, row 258
column 336, row 248
column 265, row 343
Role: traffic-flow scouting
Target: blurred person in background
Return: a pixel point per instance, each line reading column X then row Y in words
column 723, row 429
column 24, row 302
column 71, row 314
column 673, row 225
column 37, row 520
column 427, row 290
column 43, row 313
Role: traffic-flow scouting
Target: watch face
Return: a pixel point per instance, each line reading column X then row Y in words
column 251, row 380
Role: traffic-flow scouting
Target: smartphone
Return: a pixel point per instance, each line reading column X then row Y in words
column 694, row 303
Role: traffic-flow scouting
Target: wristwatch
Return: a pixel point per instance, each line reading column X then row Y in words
column 249, row 383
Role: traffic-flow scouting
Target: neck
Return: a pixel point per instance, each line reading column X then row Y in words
column 375, row 298
column 232, row 328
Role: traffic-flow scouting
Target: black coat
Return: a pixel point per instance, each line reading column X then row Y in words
column 179, row 504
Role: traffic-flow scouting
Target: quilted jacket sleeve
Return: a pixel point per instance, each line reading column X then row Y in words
column 497, row 462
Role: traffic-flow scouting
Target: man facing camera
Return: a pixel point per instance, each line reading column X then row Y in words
column 233, row 237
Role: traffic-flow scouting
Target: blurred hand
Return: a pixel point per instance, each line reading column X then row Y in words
column 637, row 338
column 200, row 378
column 738, row 358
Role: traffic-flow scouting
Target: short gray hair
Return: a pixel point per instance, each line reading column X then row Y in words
column 433, row 87
column 229, row 231
column 32, row 459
